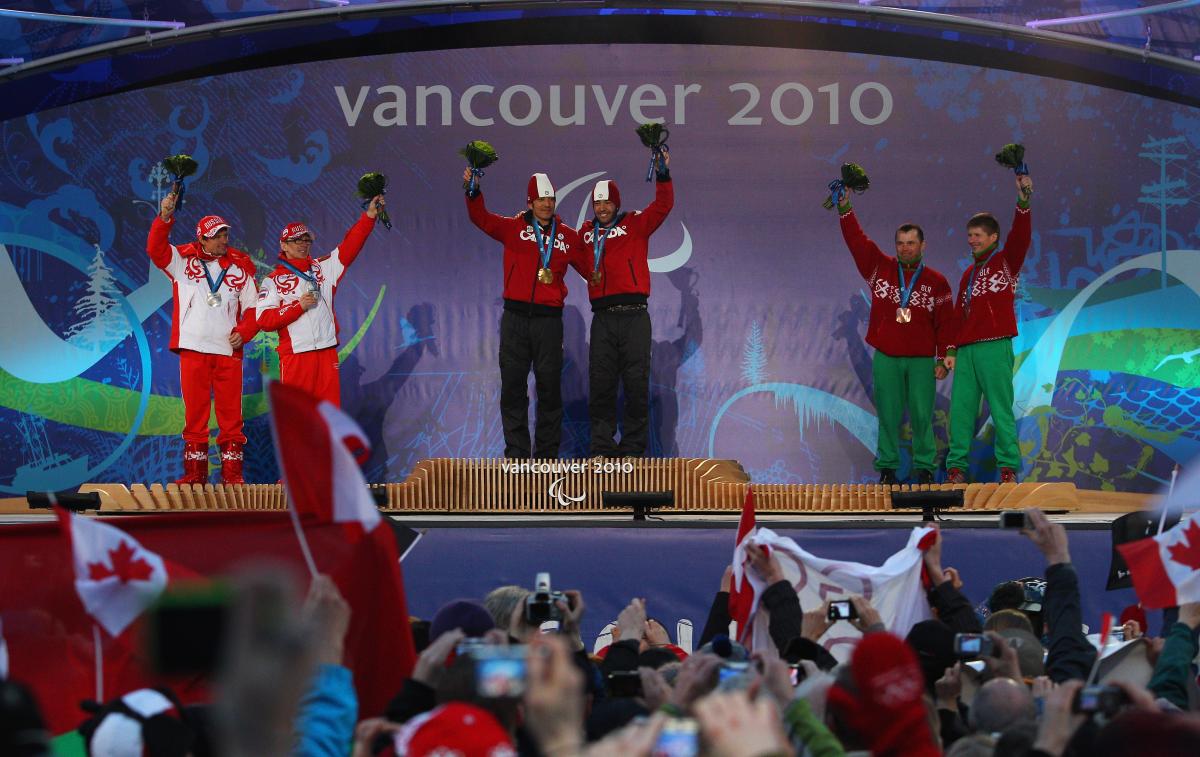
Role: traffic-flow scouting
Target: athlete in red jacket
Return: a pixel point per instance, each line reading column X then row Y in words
column 538, row 247
column 297, row 301
column 213, row 316
column 619, row 245
column 912, row 313
column 981, row 354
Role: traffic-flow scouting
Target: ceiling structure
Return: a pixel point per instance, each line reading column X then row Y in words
column 31, row 30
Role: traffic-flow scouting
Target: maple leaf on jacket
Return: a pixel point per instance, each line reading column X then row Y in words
column 124, row 567
column 1187, row 552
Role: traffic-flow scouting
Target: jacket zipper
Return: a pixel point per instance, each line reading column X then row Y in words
column 631, row 273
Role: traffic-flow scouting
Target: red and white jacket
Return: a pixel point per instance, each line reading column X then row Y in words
column 624, row 266
column 279, row 307
column 930, row 333
column 194, row 325
column 991, row 311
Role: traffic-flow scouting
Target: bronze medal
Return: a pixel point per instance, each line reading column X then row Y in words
column 597, row 276
column 545, row 275
column 903, row 315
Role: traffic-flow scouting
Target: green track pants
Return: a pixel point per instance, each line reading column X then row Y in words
column 983, row 369
column 902, row 382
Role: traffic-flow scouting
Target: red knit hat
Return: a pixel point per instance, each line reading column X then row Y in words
column 293, row 230
column 606, row 189
column 455, row 729
column 209, row 226
column 539, row 186
column 887, row 711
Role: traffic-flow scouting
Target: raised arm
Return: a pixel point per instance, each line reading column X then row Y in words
column 1016, row 244
column 867, row 255
column 157, row 243
column 664, row 199
column 489, row 223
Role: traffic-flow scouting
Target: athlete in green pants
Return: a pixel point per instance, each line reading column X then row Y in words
column 911, row 315
column 982, row 353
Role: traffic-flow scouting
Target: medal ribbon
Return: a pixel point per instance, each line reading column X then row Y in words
column 306, row 276
column 906, row 290
column 598, row 240
column 213, row 286
column 971, row 286
column 547, row 249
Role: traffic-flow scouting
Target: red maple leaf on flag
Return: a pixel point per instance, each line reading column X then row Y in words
column 124, row 567
column 1187, row 552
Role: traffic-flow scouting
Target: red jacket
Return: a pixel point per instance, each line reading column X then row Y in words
column 929, row 333
column 521, row 257
column 991, row 314
column 194, row 325
column 624, row 265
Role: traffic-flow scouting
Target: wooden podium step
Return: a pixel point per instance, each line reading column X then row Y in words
column 497, row 486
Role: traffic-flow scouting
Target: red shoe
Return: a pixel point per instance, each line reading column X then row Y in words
column 955, row 476
column 1008, row 476
column 195, row 464
column 231, row 463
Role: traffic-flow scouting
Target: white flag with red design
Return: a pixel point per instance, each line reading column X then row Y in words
column 115, row 576
column 1166, row 568
column 894, row 588
column 318, row 448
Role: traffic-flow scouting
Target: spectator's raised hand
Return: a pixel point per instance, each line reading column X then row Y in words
column 553, row 697
column 367, row 731
column 1189, row 614
column 431, row 663
column 1049, row 538
column 764, row 563
column 1007, row 664
column 933, row 558
column 634, row 740
column 815, row 623
column 655, row 690
column 572, row 614
column 868, row 620
column 776, row 679
column 949, row 687
column 733, row 726
column 697, row 676
column 330, row 615
column 1059, row 723
column 631, row 623
column 727, row 579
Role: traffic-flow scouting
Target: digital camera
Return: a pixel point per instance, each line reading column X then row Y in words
column 542, row 605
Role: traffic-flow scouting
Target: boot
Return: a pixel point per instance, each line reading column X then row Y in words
column 231, row 463
column 924, row 477
column 1008, row 476
column 887, row 477
column 956, row 476
column 195, row 464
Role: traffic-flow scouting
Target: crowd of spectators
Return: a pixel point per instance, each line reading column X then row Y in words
column 489, row 682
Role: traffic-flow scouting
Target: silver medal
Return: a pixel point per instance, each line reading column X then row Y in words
column 214, row 300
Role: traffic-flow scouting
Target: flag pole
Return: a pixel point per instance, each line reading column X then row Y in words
column 308, row 558
column 1162, row 519
column 98, row 657
column 295, row 516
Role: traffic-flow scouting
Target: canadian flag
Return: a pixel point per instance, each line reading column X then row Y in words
column 894, row 588
column 318, row 446
column 1166, row 568
column 115, row 576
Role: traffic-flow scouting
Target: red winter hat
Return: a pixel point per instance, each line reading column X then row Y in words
column 539, row 186
column 209, row 226
column 293, row 230
column 455, row 729
column 607, row 190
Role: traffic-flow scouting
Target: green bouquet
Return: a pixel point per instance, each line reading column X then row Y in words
column 479, row 155
column 180, row 166
column 372, row 185
column 1012, row 156
column 655, row 137
column 854, row 178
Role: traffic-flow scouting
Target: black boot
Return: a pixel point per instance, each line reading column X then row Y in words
column 924, row 477
column 887, row 476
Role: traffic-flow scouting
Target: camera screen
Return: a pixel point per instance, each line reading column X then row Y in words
column 729, row 670
column 500, row 676
column 839, row 610
column 1089, row 699
column 970, row 645
column 677, row 739
column 1012, row 520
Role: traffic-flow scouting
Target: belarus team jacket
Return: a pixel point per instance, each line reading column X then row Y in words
column 988, row 313
column 930, row 332
column 624, row 265
column 523, row 293
column 279, row 307
column 194, row 325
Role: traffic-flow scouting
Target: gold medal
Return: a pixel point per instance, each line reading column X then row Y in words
column 597, row 276
column 545, row 275
column 903, row 315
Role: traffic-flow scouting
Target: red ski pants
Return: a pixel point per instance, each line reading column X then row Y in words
column 208, row 380
column 315, row 372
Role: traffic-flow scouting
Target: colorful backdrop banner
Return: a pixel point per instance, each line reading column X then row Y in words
column 758, row 312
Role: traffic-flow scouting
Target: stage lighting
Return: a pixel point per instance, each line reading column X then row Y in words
column 73, row 501
column 928, row 502
column 641, row 502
